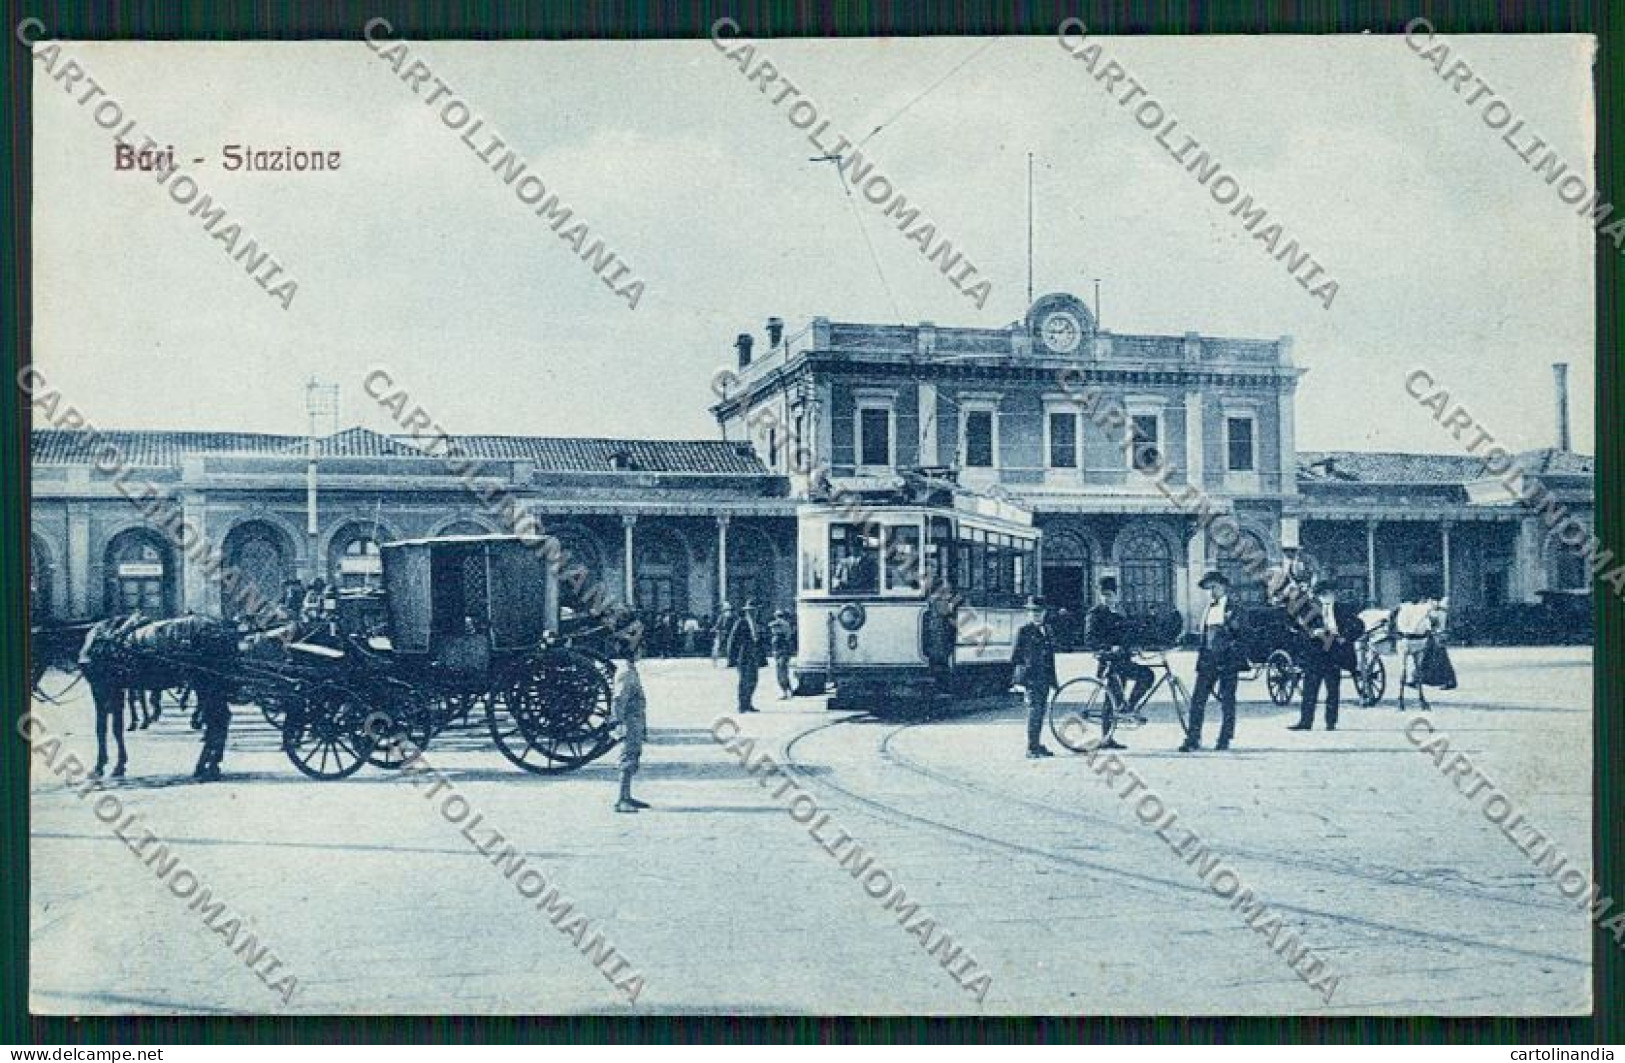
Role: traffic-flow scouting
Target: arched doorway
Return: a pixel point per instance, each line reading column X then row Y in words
column 752, row 564
column 1145, row 565
column 578, row 551
column 261, row 555
column 660, row 565
column 41, row 581
column 1069, row 572
column 353, row 560
column 140, row 574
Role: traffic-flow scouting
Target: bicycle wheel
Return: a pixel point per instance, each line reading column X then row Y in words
column 1077, row 714
column 1182, row 703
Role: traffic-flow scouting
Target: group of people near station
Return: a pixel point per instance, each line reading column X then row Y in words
column 1332, row 640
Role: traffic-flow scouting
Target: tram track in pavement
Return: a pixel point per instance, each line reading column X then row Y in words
column 1335, row 868
column 824, row 777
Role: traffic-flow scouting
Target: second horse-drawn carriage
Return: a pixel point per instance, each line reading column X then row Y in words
column 1276, row 645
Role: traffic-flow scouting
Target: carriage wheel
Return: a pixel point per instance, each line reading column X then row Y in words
column 1281, row 674
column 400, row 725
column 1371, row 680
column 1077, row 714
column 551, row 712
column 325, row 733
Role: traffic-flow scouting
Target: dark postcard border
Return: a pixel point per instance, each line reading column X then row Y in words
column 240, row 20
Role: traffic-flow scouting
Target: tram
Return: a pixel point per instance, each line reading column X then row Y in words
column 909, row 589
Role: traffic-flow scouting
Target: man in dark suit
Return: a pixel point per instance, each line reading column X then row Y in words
column 1330, row 652
column 747, row 651
column 1217, row 662
column 1034, row 661
column 1107, row 633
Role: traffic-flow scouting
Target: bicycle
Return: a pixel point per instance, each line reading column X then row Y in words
column 1077, row 713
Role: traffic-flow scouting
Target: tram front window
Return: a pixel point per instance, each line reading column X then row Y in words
column 854, row 559
column 903, row 558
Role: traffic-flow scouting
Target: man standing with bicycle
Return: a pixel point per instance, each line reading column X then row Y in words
column 1106, row 634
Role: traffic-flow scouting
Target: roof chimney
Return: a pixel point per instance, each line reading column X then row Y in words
column 1560, row 381
column 775, row 332
column 743, row 343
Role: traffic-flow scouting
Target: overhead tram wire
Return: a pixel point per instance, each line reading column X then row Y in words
column 840, row 174
column 928, row 90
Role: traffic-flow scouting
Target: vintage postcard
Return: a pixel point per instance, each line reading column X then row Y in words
column 1050, row 525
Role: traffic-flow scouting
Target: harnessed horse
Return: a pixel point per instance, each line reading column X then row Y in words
column 129, row 653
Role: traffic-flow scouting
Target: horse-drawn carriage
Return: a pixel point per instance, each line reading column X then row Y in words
column 1276, row 646
column 464, row 627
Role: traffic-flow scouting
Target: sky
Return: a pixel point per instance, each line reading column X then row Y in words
column 1449, row 252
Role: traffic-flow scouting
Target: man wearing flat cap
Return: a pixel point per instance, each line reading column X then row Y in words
column 1329, row 652
column 1034, row 661
column 1217, row 662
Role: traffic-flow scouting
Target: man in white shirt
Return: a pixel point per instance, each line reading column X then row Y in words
column 1217, row 663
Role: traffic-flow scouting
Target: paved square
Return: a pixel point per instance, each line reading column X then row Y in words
column 722, row 902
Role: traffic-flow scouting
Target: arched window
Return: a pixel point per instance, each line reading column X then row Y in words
column 1069, row 572
column 1146, row 573
column 140, row 574
column 353, row 558
column 580, row 565
column 261, row 555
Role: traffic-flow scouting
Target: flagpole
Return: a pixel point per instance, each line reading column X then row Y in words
column 1029, row 228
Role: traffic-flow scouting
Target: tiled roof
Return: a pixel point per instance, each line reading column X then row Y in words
column 357, row 443
column 560, row 454
column 1378, row 467
column 1356, row 466
column 52, row 446
column 550, row 454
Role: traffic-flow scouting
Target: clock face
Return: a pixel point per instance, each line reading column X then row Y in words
column 1061, row 332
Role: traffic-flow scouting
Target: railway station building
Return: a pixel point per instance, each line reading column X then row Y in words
column 680, row 525
column 1006, row 407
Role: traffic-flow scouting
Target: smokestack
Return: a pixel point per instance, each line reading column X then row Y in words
column 1560, row 380
column 775, row 332
column 743, row 343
